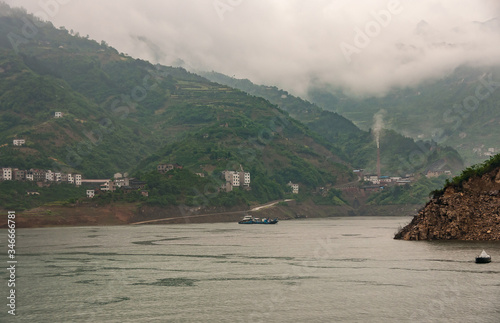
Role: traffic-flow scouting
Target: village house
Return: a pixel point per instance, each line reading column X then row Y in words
column 384, row 180
column 58, row 115
column 35, row 175
column 90, row 193
column 295, row 187
column 121, row 182
column 49, row 176
column 18, row 142
column 40, row 176
column 372, row 179
column 108, row 186
column 18, row 174
column 29, row 176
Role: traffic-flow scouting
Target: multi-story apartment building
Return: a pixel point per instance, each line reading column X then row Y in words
column 49, row 176
column 7, row 174
column 78, row 179
column 18, row 174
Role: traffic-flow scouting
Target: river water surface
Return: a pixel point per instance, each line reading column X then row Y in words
column 321, row 270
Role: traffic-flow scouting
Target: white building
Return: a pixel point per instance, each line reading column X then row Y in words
column 29, row 176
column 49, row 176
column 245, row 178
column 71, row 179
column 78, row 179
column 58, row 115
column 122, row 182
column 371, row 178
column 90, row 193
column 57, row 177
column 7, row 174
column 19, row 142
column 295, row 187
column 235, row 179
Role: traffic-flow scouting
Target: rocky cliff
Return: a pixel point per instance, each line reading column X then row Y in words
column 467, row 211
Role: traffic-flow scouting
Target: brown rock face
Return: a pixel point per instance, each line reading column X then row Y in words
column 470, row 213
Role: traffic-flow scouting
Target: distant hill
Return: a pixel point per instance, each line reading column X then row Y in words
column 399, row 154
column 461, row 110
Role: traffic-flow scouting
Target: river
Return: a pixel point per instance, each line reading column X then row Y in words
column 317, row 270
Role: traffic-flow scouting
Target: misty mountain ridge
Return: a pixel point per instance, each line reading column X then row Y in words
column 460, row 110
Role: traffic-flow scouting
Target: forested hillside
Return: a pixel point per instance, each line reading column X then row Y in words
column 123, row 114
column 399, row 154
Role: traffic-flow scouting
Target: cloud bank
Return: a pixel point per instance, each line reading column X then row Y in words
column 363, row 47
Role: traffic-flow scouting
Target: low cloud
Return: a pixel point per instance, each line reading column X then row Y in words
column 364, row 47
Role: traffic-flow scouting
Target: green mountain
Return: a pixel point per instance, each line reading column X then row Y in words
column 460, row 110
column 124, row 114
column 399, row 154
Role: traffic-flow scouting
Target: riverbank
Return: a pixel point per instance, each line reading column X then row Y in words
column 132, row 213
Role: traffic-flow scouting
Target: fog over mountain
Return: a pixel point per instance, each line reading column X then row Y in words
column 363, row 47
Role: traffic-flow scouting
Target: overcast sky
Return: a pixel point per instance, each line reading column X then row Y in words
column 362, row 46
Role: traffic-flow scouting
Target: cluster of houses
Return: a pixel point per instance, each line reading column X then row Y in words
column 482, row 151
column 119, row 181
column 40, row 176
column 388, row 180
column 47, row 177
column 376, row 182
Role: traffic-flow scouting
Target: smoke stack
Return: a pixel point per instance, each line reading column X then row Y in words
column 377, row 127
column 378, row 161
